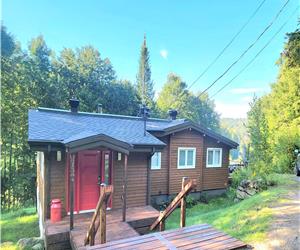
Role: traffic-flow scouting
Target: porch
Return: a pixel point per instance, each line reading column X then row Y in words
column 138, row 220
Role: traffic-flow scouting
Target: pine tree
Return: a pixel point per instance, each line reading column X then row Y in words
column 144, row 82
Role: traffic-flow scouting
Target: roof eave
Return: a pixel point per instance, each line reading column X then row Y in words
column 200, row 129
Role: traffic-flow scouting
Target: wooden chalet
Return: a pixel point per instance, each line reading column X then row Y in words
column 144, row 162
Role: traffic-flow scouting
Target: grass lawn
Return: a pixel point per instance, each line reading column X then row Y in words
column 247, row 220
column 18, row 224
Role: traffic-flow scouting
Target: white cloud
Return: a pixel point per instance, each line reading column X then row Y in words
column 245, row 90
column 232, row 110
column 164, row 53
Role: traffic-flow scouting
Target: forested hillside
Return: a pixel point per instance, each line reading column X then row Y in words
column 236, row 129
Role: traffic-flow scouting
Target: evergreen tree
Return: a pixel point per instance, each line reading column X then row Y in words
column 144, row 82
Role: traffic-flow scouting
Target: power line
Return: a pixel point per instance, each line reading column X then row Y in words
column 259, row 52
column 251, row 45
column 226, row 47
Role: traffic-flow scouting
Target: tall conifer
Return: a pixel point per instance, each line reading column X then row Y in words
column 144, row 82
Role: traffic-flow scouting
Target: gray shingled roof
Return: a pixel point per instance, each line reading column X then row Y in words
column 50, row 125
column 62, row 126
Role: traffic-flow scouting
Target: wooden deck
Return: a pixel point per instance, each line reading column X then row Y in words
column 202, row 237
column 138, row 220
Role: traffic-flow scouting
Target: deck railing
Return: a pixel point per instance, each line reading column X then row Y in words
column 186, row 187
column 105, row 194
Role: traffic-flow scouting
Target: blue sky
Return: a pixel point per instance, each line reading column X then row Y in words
column 183, row 37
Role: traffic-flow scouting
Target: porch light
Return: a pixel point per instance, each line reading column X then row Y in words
column 119, row 156
column 58, row 155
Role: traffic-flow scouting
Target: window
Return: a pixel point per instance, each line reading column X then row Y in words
column 156, row 160
column 214, row 158
column 186, row 158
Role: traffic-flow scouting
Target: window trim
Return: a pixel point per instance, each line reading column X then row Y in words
column 214, row 165
column 194, row 158
column 158, row 167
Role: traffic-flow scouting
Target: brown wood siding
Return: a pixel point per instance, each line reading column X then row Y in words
column 159, row 177
column 215, row 178
column 186, row 138
column 137, row 180
column 57, row 179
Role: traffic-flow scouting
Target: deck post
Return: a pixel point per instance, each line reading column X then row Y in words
column 125, row 187
column 162, row 224
column 103, row 222
column 183, row 205
column 71, row 188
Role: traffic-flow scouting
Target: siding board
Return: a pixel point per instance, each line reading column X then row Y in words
column 215, row 178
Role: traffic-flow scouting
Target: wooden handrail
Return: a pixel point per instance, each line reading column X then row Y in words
column 191, row 184
column 105, row 193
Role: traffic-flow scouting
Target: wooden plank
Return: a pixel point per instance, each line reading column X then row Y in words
column 195, row 237
column 183, row 204
column 105, row 192
column 188, row 187
column 103, row 223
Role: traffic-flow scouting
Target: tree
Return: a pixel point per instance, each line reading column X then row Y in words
column 144, row 82
column 174, row 95
column 259, row 132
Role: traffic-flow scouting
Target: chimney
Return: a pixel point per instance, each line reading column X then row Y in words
column 74, row 103
column 173, row 113
column 99, row 108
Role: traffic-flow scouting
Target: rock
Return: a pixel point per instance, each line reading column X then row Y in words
column 240, row 194
column 38, row 246
column 29, row 243
column 250, row 191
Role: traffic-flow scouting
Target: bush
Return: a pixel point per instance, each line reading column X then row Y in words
column 256, row 174
column 190, row 201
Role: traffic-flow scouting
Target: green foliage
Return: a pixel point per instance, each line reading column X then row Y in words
column 143, row 78
column 274, row 119
column 257, row 174
column 174, row 95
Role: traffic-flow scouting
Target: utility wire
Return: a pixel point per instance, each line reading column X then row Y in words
column 226, row 47
column 259, row 52
column 251, row 45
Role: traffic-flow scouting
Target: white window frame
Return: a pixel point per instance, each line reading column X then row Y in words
column 194, row 158
column 156, row 167
column 220, row 161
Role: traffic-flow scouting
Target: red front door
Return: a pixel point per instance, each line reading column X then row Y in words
column 88, row 188
column 94, row 168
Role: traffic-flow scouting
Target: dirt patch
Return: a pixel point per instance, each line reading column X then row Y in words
column 284, row 233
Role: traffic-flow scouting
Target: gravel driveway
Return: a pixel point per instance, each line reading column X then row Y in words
column 285, row 230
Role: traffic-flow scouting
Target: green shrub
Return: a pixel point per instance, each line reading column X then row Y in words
column 262, row 178
column 190, row 201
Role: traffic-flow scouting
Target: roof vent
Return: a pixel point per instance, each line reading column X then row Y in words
column 74, row 103
column 173, row 113
column 99, row 108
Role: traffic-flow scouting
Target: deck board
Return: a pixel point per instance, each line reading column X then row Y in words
column 195, row 237
column 116, row 229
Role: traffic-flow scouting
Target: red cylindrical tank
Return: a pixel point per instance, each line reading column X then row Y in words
column 55, row 215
